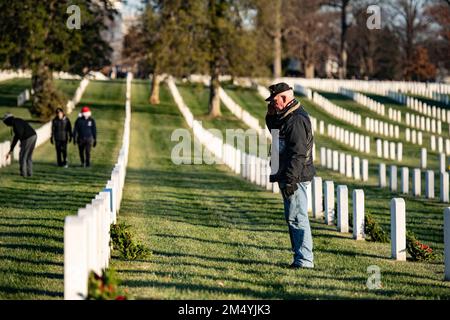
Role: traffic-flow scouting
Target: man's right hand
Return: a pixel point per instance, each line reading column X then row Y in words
column 8, row 155
column 271, row 108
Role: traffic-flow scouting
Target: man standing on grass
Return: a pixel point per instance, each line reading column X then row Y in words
column 296, row 168
column 61, row 135
column 85, row 135
column 24, row 133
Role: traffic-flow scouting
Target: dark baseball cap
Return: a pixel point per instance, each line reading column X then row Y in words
column 277, row 88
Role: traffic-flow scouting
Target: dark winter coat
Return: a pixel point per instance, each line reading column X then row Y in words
column 295, row 144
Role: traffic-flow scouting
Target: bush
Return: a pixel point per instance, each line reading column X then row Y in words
column 122, row 241
column 417, row 250
column 374, row 232
column 105, row 287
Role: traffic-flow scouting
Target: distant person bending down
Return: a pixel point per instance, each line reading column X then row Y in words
column 85, row 135
column 61, row 135
column 24, row 133
column 296, row 168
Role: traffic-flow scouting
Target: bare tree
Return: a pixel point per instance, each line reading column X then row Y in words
column 308, row 34
column 409, row 23
column 343, row 6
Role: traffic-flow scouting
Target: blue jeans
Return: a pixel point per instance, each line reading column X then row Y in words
column 296, row 214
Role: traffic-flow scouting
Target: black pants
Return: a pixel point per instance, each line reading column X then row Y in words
column 84, row 146
column 61, row 152
column 25, row 156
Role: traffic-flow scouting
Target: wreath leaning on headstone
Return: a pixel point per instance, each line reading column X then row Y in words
column 123, row 242
column 417, row 250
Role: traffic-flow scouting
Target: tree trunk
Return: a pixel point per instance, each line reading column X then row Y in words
column 277, row 41
column 343, row 48
column 214, row 98
column 46, row 98
column 309, row 70
column 154, row 95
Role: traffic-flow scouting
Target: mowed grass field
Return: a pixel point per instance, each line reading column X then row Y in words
column 215, row 236
column 32, row 211
column 10, row 89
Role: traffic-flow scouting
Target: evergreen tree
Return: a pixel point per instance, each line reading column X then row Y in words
column 35, row 36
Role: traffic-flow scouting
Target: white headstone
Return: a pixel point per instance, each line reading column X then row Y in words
column 356, row 168
column 323, row 156
column 393, row 178
column 335, row 160
column 405, row 180
column 329, row 202
column 442, row 163
column 365, row 170
column 342, row 163
column 444, row 186
column 433, row 142
column 379, row 149
column 423, row 158
column 399, row 151
column 358, row 214
column 398, row 229
column 342, row 208
column 329, row 159
column 392, row 151
column 417, row 182
column 385, row 149
column 429, row 184
column 75, row 258
column 367, row 144
column 309, row 196
column 382, row 175
column 317, row 197
column 348, row 166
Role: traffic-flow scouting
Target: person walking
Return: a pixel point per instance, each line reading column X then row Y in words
column 85, row 135
column 24, row 133
column 61, row 135
column 295, row 169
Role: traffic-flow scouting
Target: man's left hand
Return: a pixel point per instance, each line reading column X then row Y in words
column 289, row 189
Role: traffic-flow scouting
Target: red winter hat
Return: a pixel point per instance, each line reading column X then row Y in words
column 85, row 109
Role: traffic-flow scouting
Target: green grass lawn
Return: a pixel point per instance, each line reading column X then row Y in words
column 32, row 211
column 215, row 236
column 10, row 89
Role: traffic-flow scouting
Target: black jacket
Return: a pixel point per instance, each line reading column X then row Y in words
column 295, row 147
column 61, row 129
column 22, row 130
column 84, row 129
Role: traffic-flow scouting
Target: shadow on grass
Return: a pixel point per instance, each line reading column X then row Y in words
column 31, row 291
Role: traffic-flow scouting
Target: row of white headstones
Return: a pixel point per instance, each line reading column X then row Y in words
column 338, row 112
column 383, row 128
column 87, row 244
column 416, row 181
column 420, row 106
column 323, row 206
column 345, row 164
column 430, row 90
column 364, row 100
